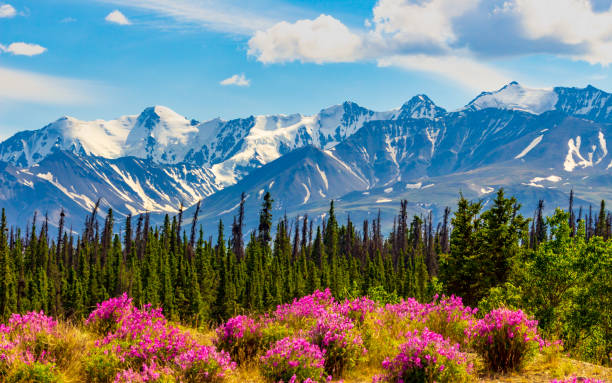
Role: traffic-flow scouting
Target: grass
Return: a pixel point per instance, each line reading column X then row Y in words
column 544, row 368
column 73, row 342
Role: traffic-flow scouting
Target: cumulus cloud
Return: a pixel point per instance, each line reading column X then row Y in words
column 237, row 80
column 117, row 17
column 572, row 22
column 7, row 11
column 324, row 39
column 407, row 25
column 23, row 49
column 458, row 39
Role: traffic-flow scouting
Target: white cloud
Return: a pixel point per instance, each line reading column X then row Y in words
column 25, row 86
column 324, row 39
column 573, row 22
column 68, row 20
column 219, row 15
column 237, row 79
column 7, row 11
column 23, row 49
column 409, row 24
column 117, row 17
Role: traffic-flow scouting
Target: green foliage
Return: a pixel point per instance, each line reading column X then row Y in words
column 380, row 295
column 506, row 295
column 560, row 273
column 101, row 366
column 33, row 373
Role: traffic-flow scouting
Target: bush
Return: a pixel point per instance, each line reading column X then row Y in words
column 101, row 366
column 272, row 332
column 505, row 339
column 342, row 343
column 204, row 364
column 356, row 309
column 302, row 312
column 426, row 357
column 293, row 360
column 150, row 349
column 449, row 317
column 108, row 314
column 507, row 296
column 33, row 372
column 380, row 295
column 241, row 337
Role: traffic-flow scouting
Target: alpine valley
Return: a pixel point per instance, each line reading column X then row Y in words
column 537, row 144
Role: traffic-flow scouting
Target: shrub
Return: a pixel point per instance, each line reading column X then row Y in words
column 272, row 332
column 241, row 337
column 108, row 314
column 505, row 339
column 305, row 309
column 149, row 348
column 506, row 296
column 23, row 346
column 293, row 360
column 204, row 364
column 449, row 317
column 342, row 343
column 380, row 295
column 426, row 357
column 356, row 309
column 101, row 366
column 33, row 372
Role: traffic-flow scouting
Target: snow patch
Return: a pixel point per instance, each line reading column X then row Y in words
column 323, row 176
column 486, row 190
column 552, row 178
column 383, row 200
column 307, row 197
column 388, row 190
column 574, row 150
column 532, row 145
column 414, row 186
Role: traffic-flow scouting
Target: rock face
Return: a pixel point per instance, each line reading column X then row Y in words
column 536, row 143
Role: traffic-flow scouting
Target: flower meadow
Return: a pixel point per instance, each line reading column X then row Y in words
column 315, row 338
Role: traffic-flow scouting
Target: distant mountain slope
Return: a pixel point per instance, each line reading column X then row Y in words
column 545, row 142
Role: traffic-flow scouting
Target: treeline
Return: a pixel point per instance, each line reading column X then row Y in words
column 555, row 267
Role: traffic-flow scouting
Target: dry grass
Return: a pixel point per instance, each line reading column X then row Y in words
column 542, row 369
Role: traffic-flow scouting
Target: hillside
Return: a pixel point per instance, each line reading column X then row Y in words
column 537, row 143
column 315, row 338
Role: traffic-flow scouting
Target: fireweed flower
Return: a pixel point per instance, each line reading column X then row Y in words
column 293, row 360
column 426, row 357
column 505, row 338
column 338, row 337
column 143, row 337
column 19, row 339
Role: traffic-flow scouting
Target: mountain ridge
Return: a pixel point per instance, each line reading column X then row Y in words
column 158, row 161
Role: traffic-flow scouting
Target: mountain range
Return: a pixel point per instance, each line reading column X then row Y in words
column 536, row 143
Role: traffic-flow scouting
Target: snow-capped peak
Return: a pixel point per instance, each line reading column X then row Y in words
column 516, row 97
column 160, row 134
column 420, row 106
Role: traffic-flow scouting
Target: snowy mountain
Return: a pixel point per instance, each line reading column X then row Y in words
column 547, row 141
column 516, row 97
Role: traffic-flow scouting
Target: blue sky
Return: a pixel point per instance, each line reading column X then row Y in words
column 106, row 58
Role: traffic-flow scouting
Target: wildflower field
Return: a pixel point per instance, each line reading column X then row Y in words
column 313, row 339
